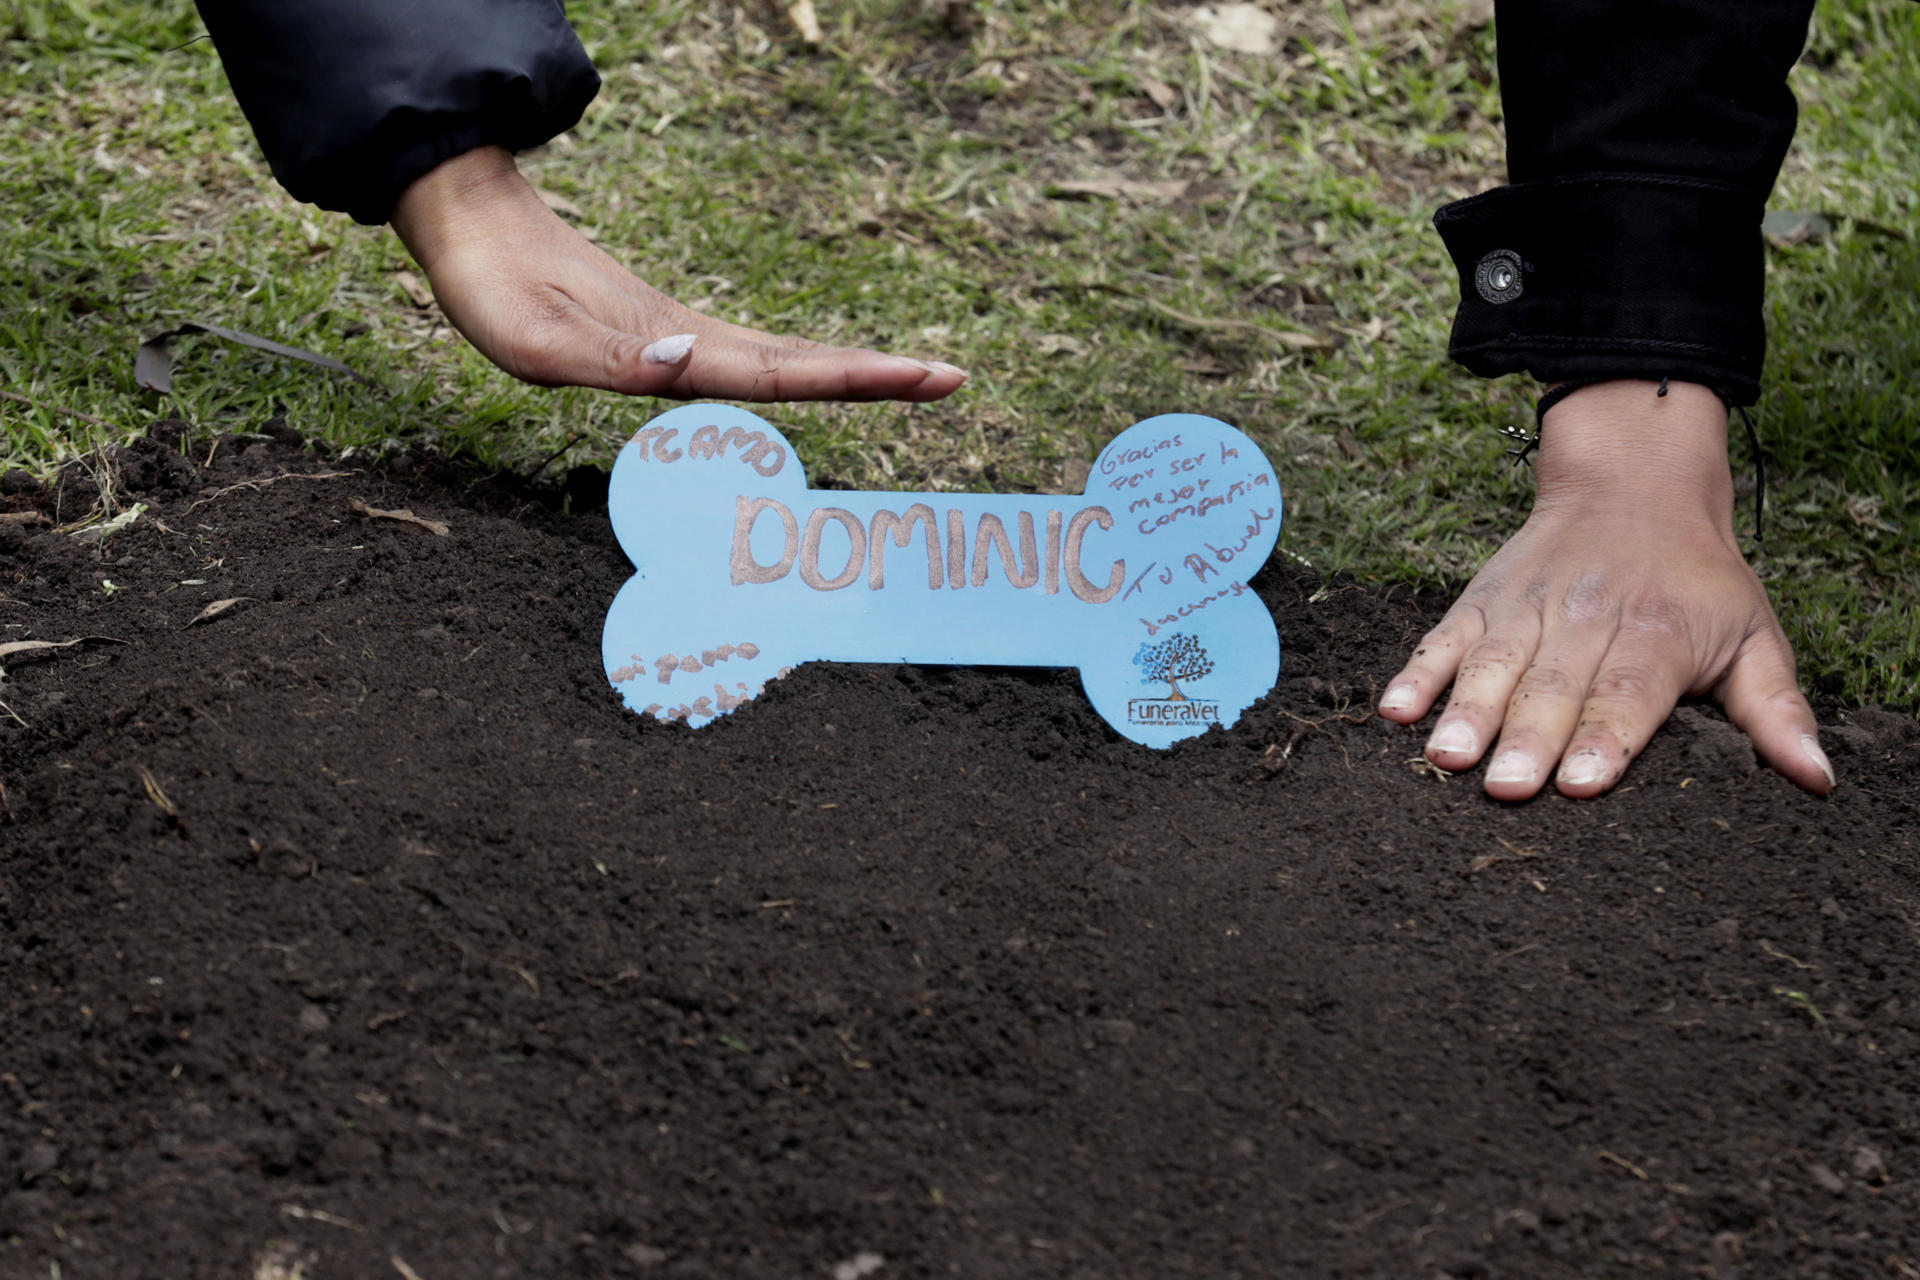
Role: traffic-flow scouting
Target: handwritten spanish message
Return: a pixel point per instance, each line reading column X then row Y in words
column 741, row 573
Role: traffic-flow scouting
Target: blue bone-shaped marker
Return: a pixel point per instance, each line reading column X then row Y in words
column 742, row 573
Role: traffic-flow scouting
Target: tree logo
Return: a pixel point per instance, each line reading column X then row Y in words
column 1178, row 657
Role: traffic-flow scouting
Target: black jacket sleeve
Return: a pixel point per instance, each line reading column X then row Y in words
column 1643, row 137
column 354, row 99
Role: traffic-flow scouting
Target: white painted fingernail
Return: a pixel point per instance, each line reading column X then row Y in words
column 668, row 350
column 1811, row 745
column 1398, row 698
column 1455, row 738
column 1513, row 766
column 1583, row 769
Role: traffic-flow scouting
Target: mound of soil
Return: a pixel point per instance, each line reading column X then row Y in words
column 356, row 930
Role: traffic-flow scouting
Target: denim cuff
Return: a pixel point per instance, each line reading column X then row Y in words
column 1611, row 275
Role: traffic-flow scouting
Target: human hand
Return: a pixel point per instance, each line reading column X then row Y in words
column 546, row 305
column 1624, row 590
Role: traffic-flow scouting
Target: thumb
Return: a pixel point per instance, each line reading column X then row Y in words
column 1763, row 698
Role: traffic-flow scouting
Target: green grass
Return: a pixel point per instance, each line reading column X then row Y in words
column 892, row 190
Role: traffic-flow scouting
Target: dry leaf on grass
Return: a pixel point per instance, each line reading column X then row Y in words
column 1241, row 28
column 1117, row 189
column 1164, row 95
column 805, row 21
column 1053, row 344
column 1206, row 366
column 415, row 289
column 403, row 515
column 153, row 360
column 1296, row 339
column 219, row 607
column 1302, row 341
column 44, row 407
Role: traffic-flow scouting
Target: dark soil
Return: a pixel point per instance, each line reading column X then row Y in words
column 358, row 931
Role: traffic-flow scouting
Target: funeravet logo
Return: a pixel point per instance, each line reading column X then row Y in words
column 1178, row 657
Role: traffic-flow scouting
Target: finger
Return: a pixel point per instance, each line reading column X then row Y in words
column 740, row 362
column 1639, row 681
column 734, row 370
column 572, row 348
column 1411, row 693
column 1543, row 712
column 726, row 367
column 1762, row 696
column 868, row 374
column 1483, row 686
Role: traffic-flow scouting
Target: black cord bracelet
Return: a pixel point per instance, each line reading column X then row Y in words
column 1554, row 395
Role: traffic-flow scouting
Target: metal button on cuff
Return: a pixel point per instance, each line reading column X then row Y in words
column 1498, row 277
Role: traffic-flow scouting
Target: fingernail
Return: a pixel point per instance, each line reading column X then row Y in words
column 1398, row 698
column 1811, row 745
column 1583, row 769
column 1513, row 766
column 1455, row 738
column 668, row 350
column 941, row 366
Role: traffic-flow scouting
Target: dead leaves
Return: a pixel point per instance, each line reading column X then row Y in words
column 153, row 361
column 1053, row 344
column 806, row 23
column 1118, row 189
column 219, row 607
column 1293, row 339
column 11, row 648
column 1621, row 1162
column 411, row 285
column 167, row 807
column 1237, row 28
column 403, row 515
column 15, row 648
column 1160, row 93
column 96, row 530
column 44, row 407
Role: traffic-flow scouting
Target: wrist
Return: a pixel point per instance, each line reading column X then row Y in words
column 439, row 206
column 1623, row 443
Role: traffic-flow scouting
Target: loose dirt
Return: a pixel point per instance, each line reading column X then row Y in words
column 356, row 930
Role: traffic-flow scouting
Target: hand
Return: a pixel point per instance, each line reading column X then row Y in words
column 1624, row 590
column 550, row 308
